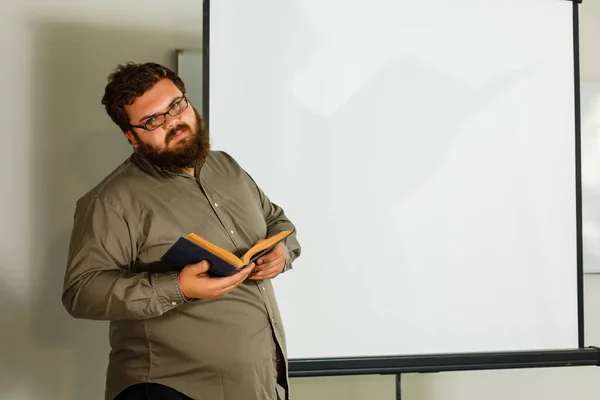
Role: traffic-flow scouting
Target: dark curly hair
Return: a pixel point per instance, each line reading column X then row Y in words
column 128, row 82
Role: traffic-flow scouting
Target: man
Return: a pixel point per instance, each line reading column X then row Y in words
column 177, row 334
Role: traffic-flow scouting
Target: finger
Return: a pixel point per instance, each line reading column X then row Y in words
column 262, row 277
column 270, row 258
column 233, row 286
column 200, row 267
column 203, row 266
column 265, row 266
column 232, row 281
column 273, row 255
column 270, row 276
column 270, row 264
column 273, row 270
column 260, row 268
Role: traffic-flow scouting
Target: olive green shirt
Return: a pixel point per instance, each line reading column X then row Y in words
column 221, row 349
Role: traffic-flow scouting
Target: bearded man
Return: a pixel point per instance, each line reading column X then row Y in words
column 177, row 334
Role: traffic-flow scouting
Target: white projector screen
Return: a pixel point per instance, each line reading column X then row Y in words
column 426, row 152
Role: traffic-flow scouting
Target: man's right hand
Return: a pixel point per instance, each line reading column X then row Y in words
column 196, row 283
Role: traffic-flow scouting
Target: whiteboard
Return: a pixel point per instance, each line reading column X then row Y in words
column 427, row 159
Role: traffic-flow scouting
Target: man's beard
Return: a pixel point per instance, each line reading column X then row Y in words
column 191, row 151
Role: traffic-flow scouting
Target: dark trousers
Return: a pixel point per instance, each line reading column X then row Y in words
column 153, row 391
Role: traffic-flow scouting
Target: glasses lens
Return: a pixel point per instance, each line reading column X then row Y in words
column 179, row 107
column 155, row 122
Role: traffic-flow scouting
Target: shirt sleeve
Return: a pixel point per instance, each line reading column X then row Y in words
column 98, row 282
column 277, row 221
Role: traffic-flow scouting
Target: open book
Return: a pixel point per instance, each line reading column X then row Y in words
column 191, row 249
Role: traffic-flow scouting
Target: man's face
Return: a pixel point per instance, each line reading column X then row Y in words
column 180, row 142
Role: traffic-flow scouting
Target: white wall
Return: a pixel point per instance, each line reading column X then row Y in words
column 589, row 31
column 57, row 142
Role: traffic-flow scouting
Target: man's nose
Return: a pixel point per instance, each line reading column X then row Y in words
column 172, row 121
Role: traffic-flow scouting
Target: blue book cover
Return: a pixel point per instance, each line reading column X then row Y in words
column 192, row 249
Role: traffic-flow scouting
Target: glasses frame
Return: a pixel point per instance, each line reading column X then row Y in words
column 164, row 116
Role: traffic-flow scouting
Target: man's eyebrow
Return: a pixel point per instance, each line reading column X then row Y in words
column 154, row 115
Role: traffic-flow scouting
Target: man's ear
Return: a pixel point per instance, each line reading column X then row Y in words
column 131, row 137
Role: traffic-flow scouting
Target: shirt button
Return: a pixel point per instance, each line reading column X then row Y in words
column 263, row 288
column 173, row 303
column 216, row 205
column 231, row 232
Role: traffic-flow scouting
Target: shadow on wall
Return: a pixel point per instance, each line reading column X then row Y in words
column 75, row 144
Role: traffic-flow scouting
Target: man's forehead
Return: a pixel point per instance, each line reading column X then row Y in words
column 154, row 100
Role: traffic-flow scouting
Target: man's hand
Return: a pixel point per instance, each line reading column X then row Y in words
column 270, row 265
column 196, row 283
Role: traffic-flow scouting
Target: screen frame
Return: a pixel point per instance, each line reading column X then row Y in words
column 394, row 364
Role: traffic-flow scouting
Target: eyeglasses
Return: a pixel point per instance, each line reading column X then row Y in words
column 157, row 121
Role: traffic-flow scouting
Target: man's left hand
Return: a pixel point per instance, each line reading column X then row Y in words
column 270, row 265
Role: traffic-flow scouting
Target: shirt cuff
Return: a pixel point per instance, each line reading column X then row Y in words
column 168, row 290
column 288, row 261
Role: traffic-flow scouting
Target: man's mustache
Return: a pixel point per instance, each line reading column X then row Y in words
column 179, row 128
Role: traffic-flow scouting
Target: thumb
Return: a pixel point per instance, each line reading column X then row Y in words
column 249, row 268
column 200, row 267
